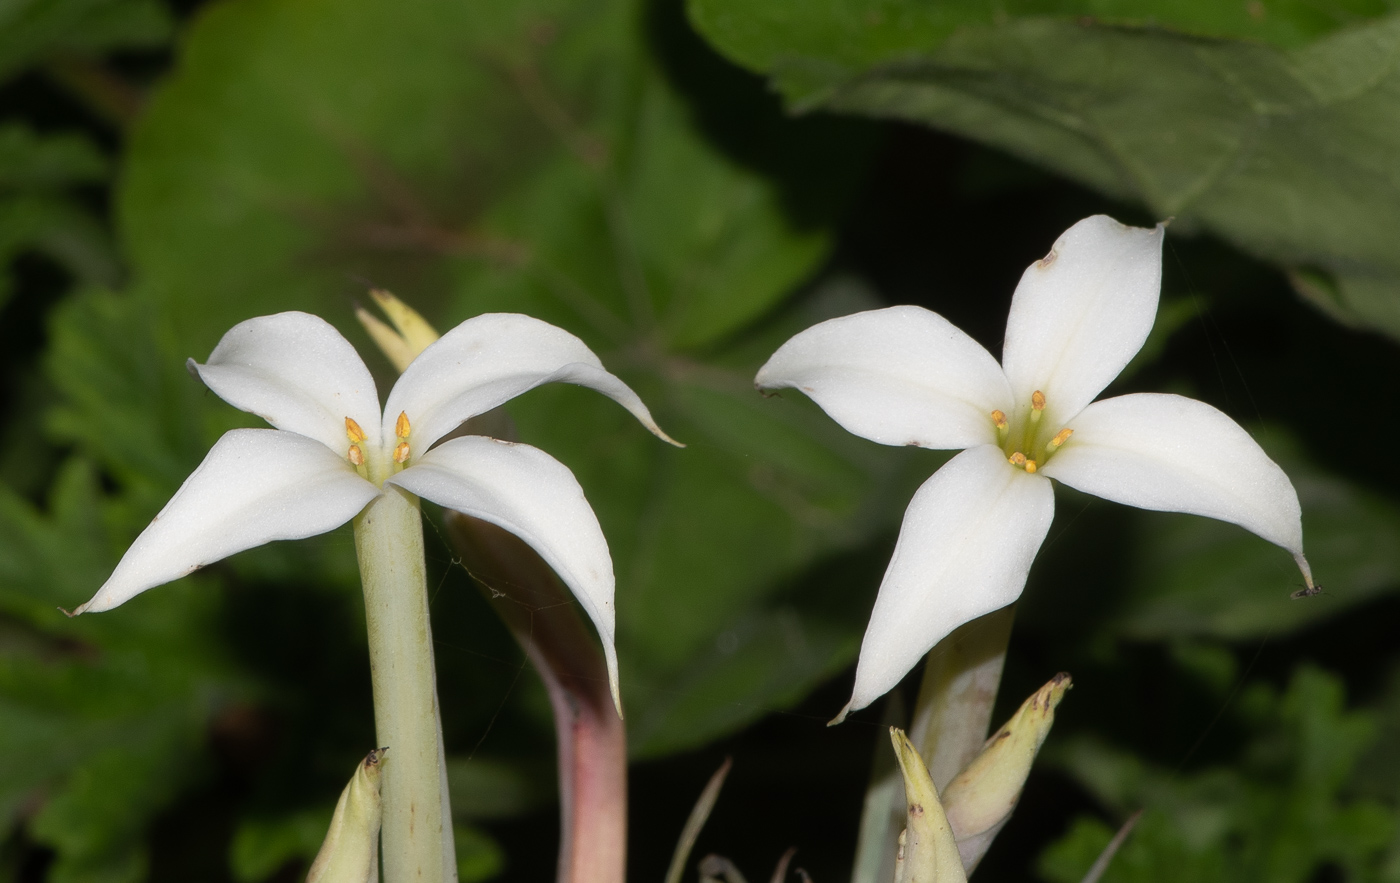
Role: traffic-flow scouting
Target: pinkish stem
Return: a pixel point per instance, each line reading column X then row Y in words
column 542, row 614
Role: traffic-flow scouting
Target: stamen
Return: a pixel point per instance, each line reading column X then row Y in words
column 1037, row 405
column 354, row 432
column 401, row 427
column 1061, row 437
column 1018, row 460
column 357, row 456
column 401, row 453
column 1030, row 466
column 999, row 420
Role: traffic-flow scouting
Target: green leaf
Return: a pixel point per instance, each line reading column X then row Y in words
column 108, row 713
column 34, row 30
column 534, row 157
column 1284, row 152
column 478, row 856
column 261, row 846
column 1199, row 577
column 30, row 161
column 1278, row 813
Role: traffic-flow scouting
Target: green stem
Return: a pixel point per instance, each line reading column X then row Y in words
column 417, row 830
column 961, row 677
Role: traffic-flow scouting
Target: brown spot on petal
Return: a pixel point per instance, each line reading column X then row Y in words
column 1045, row 262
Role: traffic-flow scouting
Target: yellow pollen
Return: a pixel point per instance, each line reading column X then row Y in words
column 1018, row 459
column 354, row 432
column 1038, row 401
column 999, row 418
column 401, row 427
column 401, row 453
column 1030, row 466
column 357, row 456
column 1061, row 437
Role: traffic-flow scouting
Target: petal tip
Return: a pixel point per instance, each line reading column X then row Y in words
column 841, row 716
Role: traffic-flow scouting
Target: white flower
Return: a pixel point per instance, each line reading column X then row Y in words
column 332, row 450
column 905, row 376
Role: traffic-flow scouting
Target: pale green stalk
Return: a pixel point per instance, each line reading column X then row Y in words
column 417, row 827
column 950, row 723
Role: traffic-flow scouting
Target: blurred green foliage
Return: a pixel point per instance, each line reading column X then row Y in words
column 1268, row 124
column 1278, row 812
column 597, row 165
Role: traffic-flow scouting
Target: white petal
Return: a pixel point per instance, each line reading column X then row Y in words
column 487, row 361
column 534, row 496
column 898, row 376
column 296, row 372
column 255, row 486
column 967, row 543
column 1081, row 313
column 1176, row 454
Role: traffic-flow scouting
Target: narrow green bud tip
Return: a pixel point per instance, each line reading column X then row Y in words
column 927, row 850
column 350, row 853
column 981, row 798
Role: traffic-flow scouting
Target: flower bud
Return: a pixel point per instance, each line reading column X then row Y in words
column 408, row 337
column 350, row 853
column 927, row 851
column 980, row 799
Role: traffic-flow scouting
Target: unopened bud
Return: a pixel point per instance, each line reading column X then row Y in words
column 408, row 337
column 980, row 799
column 350, row 853
column 927, row 850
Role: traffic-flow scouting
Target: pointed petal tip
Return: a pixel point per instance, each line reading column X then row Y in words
column 76, row 612
column 1303, row 566
column 841, row 716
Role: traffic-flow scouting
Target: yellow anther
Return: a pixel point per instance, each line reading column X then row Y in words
column 1037, row 406
column 1030, row 466
column 354, row 432
column 401, row 427
column 1018, row 459
column 357, row 456
column 999, row 418
column 1061, row 437
column 401, row 453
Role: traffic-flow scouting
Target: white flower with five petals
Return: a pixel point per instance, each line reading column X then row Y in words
column 906, row 376
column 333, row 449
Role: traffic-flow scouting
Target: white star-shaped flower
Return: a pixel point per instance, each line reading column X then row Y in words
column 333, row 449
column 906, row 376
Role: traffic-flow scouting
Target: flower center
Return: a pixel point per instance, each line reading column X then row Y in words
column 1021, row 437
column 356, row 452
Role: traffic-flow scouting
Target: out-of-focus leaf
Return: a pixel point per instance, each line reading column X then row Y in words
column 1279, row 813
column 34, row 30
column 108, row 715
column 1285, row 152
column 29, row 161
column 478, row 856
column 37, row 213
column 1200, row 577
column 261, row 846
column 483, row 788
column 533, row 158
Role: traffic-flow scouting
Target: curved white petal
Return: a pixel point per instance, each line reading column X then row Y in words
column 1175, row 454
column 534, row 496
column 255, row 486
column 898, row 376
column 964, row 550
column 298, row 373
column 487, row 361
column 1081, row 313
